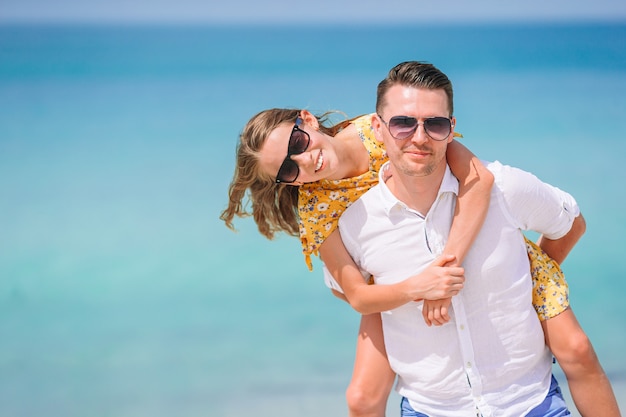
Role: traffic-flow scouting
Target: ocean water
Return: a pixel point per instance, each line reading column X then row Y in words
column 123, row 294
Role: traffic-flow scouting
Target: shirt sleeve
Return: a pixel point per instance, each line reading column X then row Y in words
column 348, row 225
column 533, row 204
column 330, row 281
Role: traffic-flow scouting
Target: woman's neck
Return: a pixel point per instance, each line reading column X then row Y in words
column 352, row 154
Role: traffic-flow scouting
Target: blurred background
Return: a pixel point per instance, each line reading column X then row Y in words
column 121, row 291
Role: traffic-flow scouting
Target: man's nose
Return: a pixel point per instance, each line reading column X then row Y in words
column 420, row 135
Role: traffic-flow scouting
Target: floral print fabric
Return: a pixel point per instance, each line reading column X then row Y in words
column 320, row 204
column 550, row 290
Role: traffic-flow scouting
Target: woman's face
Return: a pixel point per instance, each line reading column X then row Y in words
column 312, row 163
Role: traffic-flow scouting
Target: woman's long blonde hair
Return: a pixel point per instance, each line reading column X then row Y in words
column 274, row 206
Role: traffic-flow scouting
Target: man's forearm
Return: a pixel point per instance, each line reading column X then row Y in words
column 558, row 249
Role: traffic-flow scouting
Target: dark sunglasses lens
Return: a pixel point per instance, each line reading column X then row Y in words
column 298, row 142
column 438, row 128
column 288, row 171
column 401, row 127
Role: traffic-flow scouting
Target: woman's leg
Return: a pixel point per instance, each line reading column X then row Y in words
column 372, row 378
column 590, row 388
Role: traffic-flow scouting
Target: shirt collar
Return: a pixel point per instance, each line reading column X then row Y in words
column 449, row 185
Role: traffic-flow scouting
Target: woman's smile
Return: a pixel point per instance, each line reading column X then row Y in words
column 320, row 161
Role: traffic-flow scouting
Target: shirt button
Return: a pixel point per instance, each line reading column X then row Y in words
column 469, row 364
column 462, row 327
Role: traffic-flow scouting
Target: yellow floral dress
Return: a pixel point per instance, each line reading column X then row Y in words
column 550, row 290
column 320, row 204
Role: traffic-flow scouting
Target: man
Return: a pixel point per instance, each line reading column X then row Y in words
column 491, row 358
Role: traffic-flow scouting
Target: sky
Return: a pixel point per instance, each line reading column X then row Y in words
column 318, row 11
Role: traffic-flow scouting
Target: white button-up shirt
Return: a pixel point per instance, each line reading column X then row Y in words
column 491, row 356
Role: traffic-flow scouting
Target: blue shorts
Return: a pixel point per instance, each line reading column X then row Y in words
column 553, row 406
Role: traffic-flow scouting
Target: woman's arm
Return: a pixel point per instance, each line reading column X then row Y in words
column 475, row 182
column 435, row 282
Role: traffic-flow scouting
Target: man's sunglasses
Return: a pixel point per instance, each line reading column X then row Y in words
column 403, row 127
column 298, row 142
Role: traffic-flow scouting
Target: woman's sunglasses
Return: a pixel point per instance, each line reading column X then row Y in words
column 403, row 127
column 298, row 142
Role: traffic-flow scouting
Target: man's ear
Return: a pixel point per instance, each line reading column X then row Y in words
column 310, row 119
column 452, row 133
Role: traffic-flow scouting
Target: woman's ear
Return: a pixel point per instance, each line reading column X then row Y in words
column 293, row 184
column 376, row 126
column 310, row 119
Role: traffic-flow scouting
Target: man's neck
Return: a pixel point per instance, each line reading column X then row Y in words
column 417, row 192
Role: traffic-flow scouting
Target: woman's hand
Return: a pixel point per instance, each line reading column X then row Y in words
column 437, row 281
column 436, row 311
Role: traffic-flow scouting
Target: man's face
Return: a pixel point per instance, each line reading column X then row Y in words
column 417, row 155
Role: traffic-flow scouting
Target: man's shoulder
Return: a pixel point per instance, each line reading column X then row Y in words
column 496, row 167
column 507, row 176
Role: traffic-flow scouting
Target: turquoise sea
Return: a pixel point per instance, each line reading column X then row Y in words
column 121, row 292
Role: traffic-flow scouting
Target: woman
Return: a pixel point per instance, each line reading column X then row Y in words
column 301, row 175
